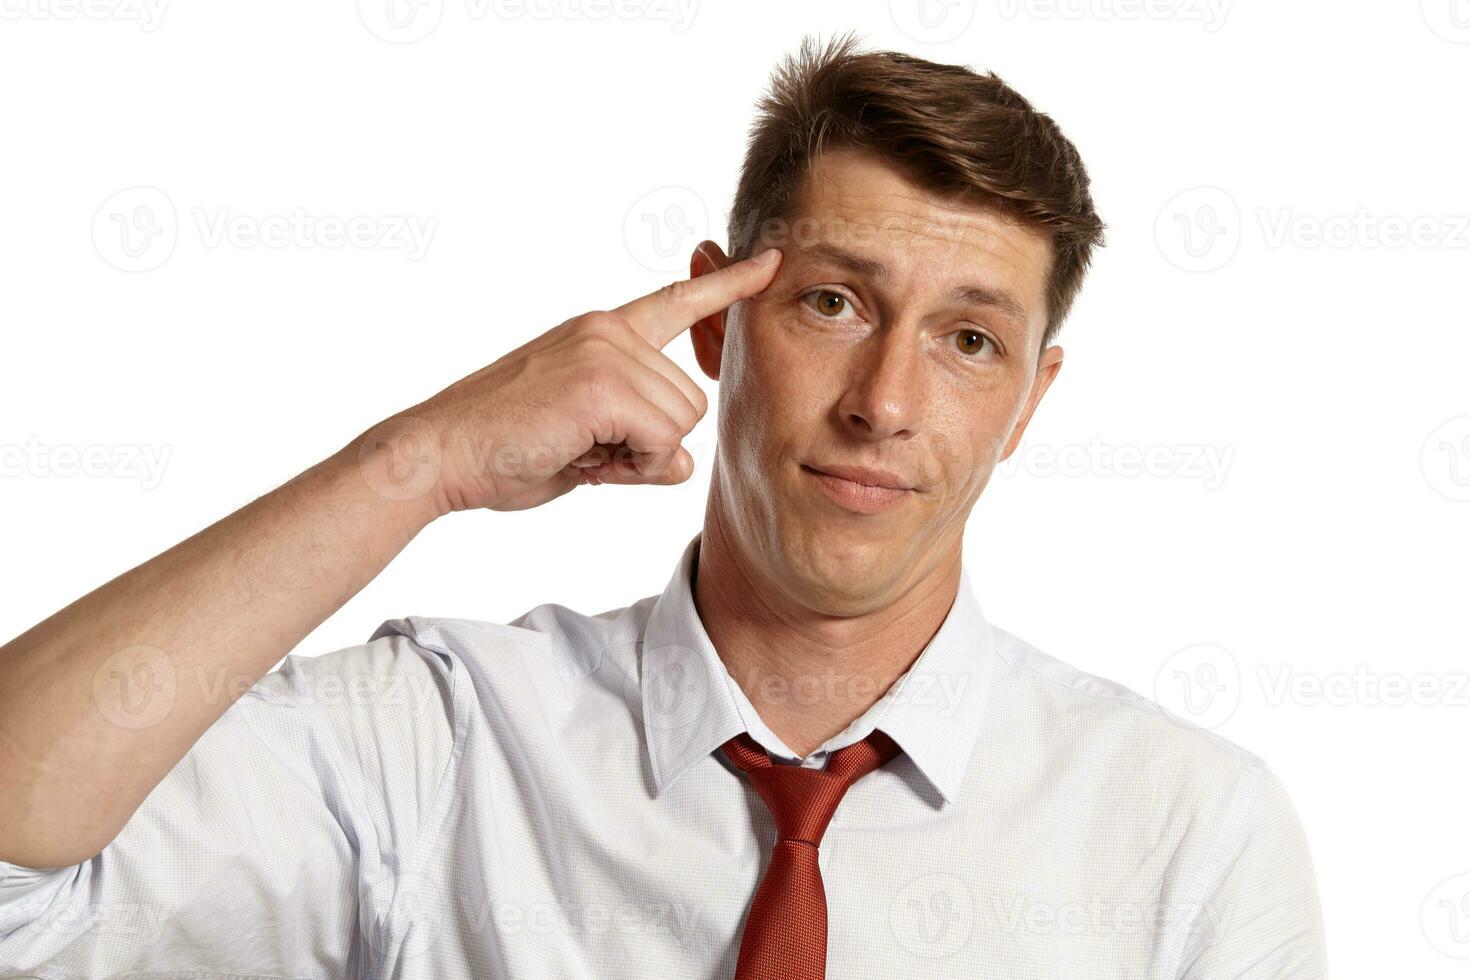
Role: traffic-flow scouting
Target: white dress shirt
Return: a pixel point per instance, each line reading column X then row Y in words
column 545, row 798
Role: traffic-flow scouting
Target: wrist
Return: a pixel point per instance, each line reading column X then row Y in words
column 397, row 464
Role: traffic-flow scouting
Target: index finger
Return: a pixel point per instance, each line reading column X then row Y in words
column 667, row 312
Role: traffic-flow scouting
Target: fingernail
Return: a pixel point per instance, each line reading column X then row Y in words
column 767, row 257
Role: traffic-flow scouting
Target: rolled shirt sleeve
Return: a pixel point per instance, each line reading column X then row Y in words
column 274, row 847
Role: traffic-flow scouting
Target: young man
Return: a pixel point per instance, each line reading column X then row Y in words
column 810, row 755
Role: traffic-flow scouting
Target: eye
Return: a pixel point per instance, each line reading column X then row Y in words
column 828, row 303
column 971, row 342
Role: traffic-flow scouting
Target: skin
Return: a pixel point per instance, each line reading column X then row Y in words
column 816, row 610
column 99, row 701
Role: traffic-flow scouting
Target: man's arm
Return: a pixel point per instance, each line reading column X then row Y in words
column 101, row 700
column 1263, row 920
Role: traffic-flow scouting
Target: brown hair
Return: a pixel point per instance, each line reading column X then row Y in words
column 947, row 128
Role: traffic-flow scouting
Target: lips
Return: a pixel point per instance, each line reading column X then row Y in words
column 857, row 497
column 865, row 476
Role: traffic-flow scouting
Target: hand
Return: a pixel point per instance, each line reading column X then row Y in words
column 592, row 400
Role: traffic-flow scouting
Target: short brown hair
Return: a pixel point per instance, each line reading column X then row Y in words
column 947, row 128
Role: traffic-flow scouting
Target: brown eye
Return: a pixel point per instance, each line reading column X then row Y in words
column 829, row 303
column 971, row 341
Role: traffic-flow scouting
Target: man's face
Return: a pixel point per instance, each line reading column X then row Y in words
column 900, row 334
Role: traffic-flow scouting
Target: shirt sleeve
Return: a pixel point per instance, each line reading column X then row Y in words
column 272, row 848
column 1263, row 920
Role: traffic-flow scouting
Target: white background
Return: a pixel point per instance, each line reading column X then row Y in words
column 1276, row 329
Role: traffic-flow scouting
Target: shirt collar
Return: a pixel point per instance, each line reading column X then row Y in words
column 692, row 706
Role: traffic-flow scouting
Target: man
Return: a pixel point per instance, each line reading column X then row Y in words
column 809, row 756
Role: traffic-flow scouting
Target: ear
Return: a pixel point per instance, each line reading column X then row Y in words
column 708, row 334
column 1046, row 371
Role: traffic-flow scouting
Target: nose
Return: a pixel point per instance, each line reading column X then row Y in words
column 886, row 396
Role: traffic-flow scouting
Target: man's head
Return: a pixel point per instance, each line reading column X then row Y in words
column 935, row 229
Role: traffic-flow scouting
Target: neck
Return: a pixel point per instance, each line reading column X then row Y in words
column 809, row 673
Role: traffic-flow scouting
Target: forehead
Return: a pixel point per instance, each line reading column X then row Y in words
column 854, row 202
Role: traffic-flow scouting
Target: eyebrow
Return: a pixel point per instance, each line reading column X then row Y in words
column 968, row 294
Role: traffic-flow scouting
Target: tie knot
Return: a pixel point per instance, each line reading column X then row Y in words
column 802, row 800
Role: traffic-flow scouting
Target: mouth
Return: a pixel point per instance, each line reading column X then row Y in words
column 861, row 490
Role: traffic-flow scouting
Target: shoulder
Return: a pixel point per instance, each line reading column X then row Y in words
column 548, row 638
column 1119, row 737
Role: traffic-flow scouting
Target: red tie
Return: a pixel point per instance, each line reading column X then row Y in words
column 785, row 934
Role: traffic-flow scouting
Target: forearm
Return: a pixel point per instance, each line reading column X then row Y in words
column 100, row 700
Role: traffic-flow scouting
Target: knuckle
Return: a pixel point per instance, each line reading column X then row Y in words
column 601, row 323
column 677, row 293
